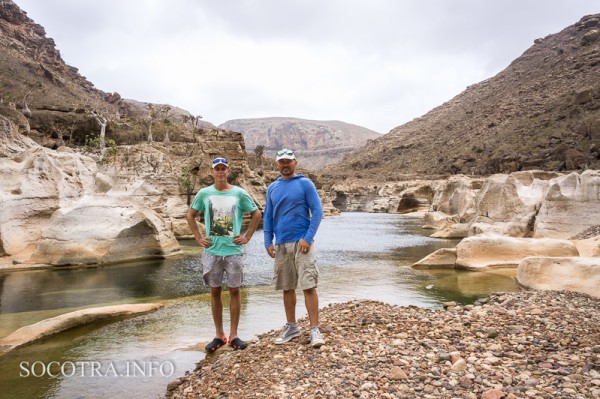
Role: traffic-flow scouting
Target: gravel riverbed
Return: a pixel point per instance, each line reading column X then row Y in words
column 527, row 344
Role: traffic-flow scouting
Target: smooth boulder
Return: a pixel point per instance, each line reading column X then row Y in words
column 442, row 258
column 494, row 251
column 579, row 274
column 101, row 229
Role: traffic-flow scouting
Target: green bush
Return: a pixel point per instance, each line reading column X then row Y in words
column 92, row 144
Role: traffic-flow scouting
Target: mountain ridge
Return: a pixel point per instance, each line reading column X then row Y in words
column 317, row 143
column 541, row 112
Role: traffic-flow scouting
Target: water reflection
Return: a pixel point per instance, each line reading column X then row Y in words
column 360, row 255
column 28, row 297
column 467, row 286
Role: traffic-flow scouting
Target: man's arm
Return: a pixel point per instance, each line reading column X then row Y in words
column 254, row 221
column 268, row 225
column 191, row 219
column 316, row 210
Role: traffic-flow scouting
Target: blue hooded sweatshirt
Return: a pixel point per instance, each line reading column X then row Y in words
column 293, row 211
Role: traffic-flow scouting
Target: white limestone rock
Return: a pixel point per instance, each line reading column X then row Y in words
column 579, row 274
column 35, row 182
column 45, row 328
column 496, row 251
column 442, row 258
column 457, row 197
column 570, row 206
column 101, row 229
column 510, row 229
column 588, row 246
column 508, row 204
column 457, row 230
column 391, row 197
column 438, row 220
column 52, row 206
column 403, row 197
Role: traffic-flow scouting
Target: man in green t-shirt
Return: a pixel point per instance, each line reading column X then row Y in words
column 223, row 206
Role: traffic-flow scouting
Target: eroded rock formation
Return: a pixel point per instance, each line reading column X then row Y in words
column 45, row 328
column 50, row 209
column 103, row 229
column 495, row 251
column 521, row 204
column 503, row 218
column 571, row 204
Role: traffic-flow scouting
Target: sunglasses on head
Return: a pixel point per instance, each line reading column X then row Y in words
column 286, row 152
column 219, row 160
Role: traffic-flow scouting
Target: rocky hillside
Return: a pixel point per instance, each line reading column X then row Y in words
column 318, row 143
column 59, row 102
column 34, row 74
column 541, row 112
column 31, row 64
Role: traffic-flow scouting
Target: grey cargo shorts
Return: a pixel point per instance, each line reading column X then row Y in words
column 293, row 268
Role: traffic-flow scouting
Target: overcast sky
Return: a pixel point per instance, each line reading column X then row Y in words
column 373, row 63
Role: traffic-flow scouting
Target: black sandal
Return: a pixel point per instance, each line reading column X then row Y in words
column 237, row 343
column 215, row 344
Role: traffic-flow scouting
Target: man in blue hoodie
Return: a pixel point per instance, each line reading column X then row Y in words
column 293, row 213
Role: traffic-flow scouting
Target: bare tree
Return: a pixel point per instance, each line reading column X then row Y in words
column 160, row 115
column 150, row 121
column 24, row 108
column 195, row 124
column 103, row 122
column 196, row 120
column 165, row 113
column 150, row 131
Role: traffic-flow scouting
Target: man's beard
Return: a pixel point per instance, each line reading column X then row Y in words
column 287, row 171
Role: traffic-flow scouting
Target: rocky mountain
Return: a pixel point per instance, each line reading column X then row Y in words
column 31, row 64
column 60, row 103
column 317, row 143
column 33, row 75
column 541, row 112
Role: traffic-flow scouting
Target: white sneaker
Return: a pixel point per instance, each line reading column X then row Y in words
column 316, row 339
column 289, row 331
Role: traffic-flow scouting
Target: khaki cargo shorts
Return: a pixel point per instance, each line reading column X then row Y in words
column 293, row 268
column 214, row 267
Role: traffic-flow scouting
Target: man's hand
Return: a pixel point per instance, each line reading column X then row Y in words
column 241, row 240
column 303, row 246
column 204, row 242
column 271, row 251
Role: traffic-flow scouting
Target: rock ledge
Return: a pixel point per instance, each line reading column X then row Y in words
column 42, row 329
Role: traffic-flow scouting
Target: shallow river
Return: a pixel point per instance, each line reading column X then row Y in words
column 360, row 255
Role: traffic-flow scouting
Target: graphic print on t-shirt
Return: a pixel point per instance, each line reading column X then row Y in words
column 222, row 214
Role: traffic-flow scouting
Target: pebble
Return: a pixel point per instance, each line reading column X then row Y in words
column 375, row 350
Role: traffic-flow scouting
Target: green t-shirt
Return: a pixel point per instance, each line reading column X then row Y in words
column 223, row 213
